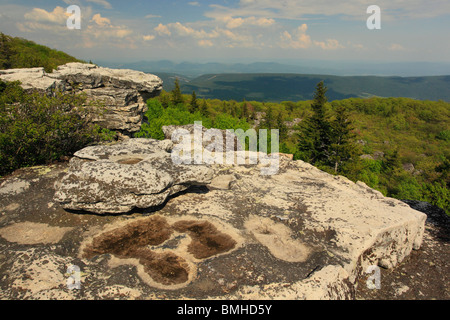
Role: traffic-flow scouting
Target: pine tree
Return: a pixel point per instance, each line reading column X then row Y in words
column 315, row 134
column 233, row 110
column 177, row 96
column 193, row 106
column 282, row 126
column 344, row 148
column 245, row 114
column 224, row 107
column 164, row 98
column 268, row 122
column 204, row 109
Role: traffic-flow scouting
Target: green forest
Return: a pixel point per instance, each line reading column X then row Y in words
column 398, row 146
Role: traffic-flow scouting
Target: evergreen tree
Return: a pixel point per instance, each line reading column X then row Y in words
column 344, row 148
column 245, row 114
column 177, row 96
column 392, row 163
column 204, row 109
column 224, row 107
column 282, row 127
column 315, row 132
column 233, row 110
column 193, row 106
column 164, row 97
column 268, row 122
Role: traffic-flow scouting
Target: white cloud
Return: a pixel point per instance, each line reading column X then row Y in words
column 103, row 3
column 329, row 44
column 396, row 47
column 104, row 29
column 194, row 3
column 163, row 30
column 149, row 37
column 356, row 9
column 205, row 43
column 101, row 21
column 232, row 23
column 57, row 16
column 300, row 40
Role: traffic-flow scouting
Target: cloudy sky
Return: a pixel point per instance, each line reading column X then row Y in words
column 235, row 30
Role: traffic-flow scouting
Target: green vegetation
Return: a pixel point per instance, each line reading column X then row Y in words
column 37, row 129
column 392, row 133
column 21, row 53
column 405, row 142
column 326, row 142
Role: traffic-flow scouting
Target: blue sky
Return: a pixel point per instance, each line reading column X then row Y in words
column 234, row 30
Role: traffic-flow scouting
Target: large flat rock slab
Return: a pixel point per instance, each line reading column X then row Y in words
column 299, row 234
column 136, row 173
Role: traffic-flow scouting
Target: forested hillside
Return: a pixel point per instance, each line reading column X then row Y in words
column 402, row 146
column 22, row 53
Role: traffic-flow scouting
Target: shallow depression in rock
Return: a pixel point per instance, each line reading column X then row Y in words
column 164, row 265
column 130, row 161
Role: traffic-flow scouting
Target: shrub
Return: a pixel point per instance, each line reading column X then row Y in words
column 37, row 129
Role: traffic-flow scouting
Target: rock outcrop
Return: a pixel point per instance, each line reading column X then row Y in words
column 136, row 173
column 228, row 140
column 299, row 234
column 121, row 93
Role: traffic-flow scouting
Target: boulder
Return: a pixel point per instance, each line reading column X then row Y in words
column 120, row 93
column 136, row 173
column 409, row 167
column 232, row 145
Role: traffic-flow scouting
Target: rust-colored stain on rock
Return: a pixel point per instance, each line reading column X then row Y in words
column 167, row 268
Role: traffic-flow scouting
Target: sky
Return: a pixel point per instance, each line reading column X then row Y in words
column 236, row 30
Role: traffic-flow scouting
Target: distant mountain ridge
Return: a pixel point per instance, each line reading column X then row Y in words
column 338, row 68
column 271, row 87
column 276, row 82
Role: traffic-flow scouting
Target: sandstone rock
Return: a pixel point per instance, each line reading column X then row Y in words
column 122, row 93
column 409, row 167
column 378, row 155
column 137, row 173
column 32, row 233
column 31, row 79
column 299, row 234
column 367, row 157
column 233, row 145
column 222, row 182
